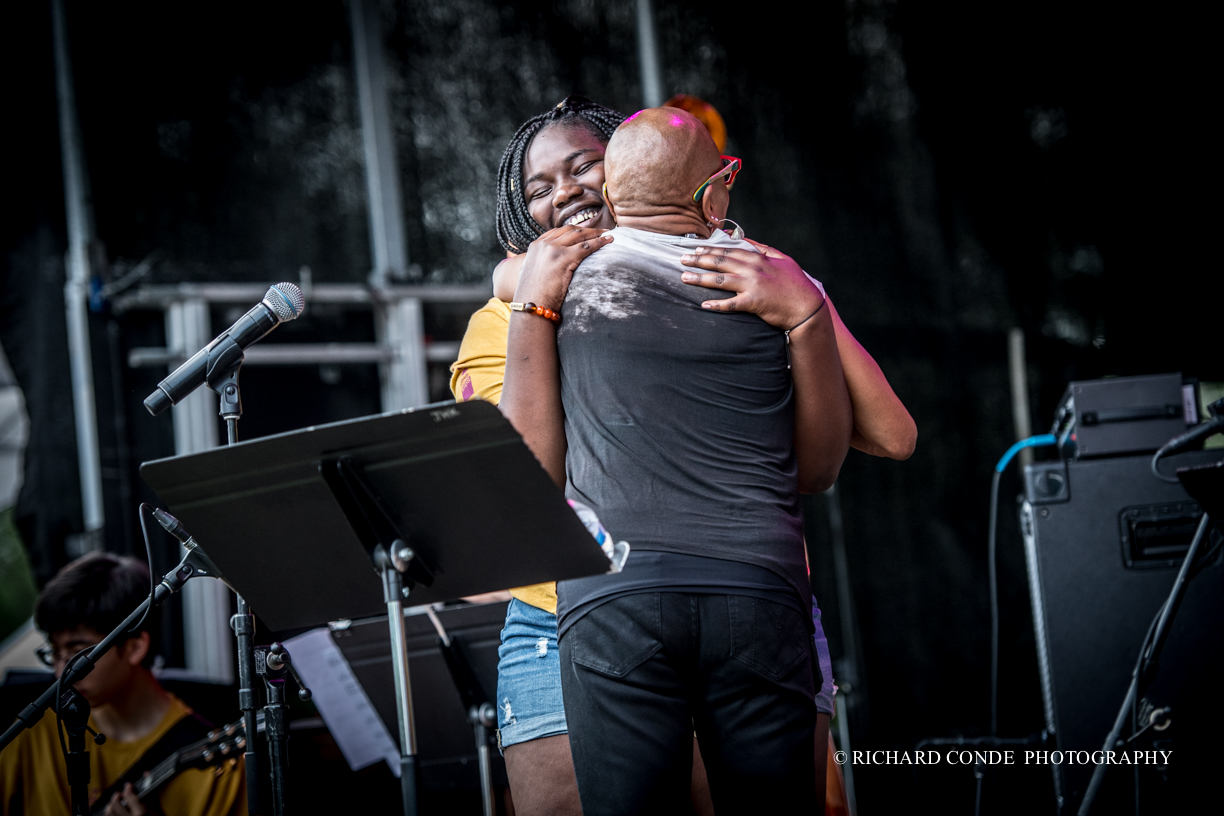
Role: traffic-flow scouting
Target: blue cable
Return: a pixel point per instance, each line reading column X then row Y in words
column 1039, row 441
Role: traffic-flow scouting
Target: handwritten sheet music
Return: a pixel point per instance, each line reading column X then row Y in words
column 342, row 702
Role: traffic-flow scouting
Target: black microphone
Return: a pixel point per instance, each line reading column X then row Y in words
column 171, row 525
column 283, row 302
column 196, row 557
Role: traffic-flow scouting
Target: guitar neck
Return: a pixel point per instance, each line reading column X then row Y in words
column 217, row 747
column 161, row 773
column 147, row 785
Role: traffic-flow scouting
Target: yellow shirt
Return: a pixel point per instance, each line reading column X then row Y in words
column 33, row 777
column 478, row 374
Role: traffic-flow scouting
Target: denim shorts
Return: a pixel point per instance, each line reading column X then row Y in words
column 528, row 676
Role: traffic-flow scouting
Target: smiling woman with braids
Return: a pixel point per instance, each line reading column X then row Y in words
column 551, row 173
column 551, row 214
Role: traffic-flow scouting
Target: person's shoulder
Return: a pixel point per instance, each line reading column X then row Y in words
column 628, row 237
column 633, row 246
column 495, row 310
column 177, row 706
column 176, row 713
column 486, row 331
column 721, row 239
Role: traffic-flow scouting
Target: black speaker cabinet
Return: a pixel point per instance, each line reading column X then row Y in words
column 1104, row 540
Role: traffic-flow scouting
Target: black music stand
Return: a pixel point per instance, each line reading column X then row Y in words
column 442, row 501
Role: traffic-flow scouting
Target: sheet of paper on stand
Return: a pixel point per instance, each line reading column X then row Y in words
column 342, row 702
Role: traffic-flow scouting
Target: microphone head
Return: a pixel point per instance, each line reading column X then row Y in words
column 285, row 300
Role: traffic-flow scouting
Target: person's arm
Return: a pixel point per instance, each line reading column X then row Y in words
column 783, row 296
column 824, row 418
column 882, row 426
column 505, row 277
column 480, row 367
column 531, row 396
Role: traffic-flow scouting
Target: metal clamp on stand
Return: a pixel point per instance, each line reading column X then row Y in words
column 224, row 364
column 274, row 664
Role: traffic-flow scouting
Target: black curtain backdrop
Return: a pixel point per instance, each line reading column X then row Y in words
column 950, row 170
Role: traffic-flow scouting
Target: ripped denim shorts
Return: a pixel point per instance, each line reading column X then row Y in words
column 528, row 676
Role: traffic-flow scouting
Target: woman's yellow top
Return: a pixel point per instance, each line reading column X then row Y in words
column 478, row 374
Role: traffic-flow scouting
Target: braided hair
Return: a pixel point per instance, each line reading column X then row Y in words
column 515, row 226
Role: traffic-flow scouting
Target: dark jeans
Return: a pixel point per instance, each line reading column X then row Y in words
column 640, row 672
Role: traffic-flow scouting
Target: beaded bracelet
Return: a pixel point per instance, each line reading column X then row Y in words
column 544, row 312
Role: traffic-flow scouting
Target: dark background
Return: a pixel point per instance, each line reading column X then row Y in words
column 949, row 170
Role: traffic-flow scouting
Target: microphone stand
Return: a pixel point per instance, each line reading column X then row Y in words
column 74, row 708
column 224, row 363
column 221, row 361
column 274, row 663
column 74, row 713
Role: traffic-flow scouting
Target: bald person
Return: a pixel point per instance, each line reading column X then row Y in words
column 672, row 410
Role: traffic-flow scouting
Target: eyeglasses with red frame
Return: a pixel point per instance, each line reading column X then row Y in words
column 730, row 169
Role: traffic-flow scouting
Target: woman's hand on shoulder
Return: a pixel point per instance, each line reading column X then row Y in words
column 550, row 263
column 768, row 283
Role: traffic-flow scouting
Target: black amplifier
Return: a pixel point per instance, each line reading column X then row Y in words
column 1104, row 539
column 1120, row 415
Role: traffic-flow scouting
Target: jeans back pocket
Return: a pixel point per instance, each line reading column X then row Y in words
column 771, row 638
column 618, row 636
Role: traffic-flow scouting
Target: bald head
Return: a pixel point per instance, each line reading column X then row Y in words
column 655, row 161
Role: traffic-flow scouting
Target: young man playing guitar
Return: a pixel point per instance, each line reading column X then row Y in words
column 144, row 724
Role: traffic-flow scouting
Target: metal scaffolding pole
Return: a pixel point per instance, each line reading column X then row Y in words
column 81, row 234
column 387, row 242
column 648, row 55
column 398, row 323
column 401, row 327
column 208, row 641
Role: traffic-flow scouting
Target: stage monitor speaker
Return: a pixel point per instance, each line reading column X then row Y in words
column 1103, row 541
